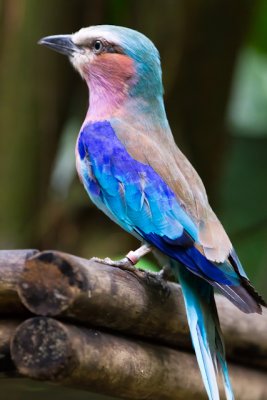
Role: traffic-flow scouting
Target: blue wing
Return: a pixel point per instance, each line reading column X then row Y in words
column 131, row 191
column 138, row 199
column 135, row 195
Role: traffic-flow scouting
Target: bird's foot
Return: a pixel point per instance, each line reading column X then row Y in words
column 156, row 279
column 124, row 264
column 159, row 280
column 164, row 274
column 127, row 263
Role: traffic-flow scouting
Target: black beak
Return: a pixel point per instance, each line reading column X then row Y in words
column 62, row 44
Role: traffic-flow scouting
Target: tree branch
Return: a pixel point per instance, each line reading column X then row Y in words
column 44, row 348
column 12, row 263
column 92, row 294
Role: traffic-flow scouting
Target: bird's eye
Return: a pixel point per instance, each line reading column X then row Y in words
column 98, row 46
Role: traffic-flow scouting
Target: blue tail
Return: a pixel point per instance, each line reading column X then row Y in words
column 205, row 331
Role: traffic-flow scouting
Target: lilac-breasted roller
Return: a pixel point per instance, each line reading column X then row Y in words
column 133, row 171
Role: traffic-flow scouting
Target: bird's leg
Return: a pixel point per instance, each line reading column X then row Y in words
column 128, row 262
column 156, row 279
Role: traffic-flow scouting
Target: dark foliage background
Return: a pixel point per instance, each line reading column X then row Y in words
column 215, row 76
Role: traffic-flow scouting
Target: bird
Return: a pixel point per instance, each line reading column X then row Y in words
column 133, row 171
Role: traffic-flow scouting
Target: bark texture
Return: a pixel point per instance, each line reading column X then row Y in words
column 44, row 348
column 92, row 294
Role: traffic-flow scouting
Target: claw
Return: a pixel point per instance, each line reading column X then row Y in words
column 124, row 264
column 159, row 280
column 165, row 274
column 127, row 263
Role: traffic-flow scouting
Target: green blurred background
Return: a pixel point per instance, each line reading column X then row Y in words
column 214, row 59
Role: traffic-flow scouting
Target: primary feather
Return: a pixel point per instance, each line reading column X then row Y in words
column 133, row 171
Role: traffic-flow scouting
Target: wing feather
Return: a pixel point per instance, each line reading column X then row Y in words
column 160, row 152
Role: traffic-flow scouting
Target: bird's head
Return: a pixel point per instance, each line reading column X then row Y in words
column 116, row 62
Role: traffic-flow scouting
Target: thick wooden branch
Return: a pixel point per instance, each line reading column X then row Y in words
column 44, row 348
column 12, row 263
column 93, row 294
column 58, row 284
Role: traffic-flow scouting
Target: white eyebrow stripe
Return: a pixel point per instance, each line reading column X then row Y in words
column 85, row 34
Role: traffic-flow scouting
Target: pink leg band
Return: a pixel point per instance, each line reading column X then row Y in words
column 132, row 257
